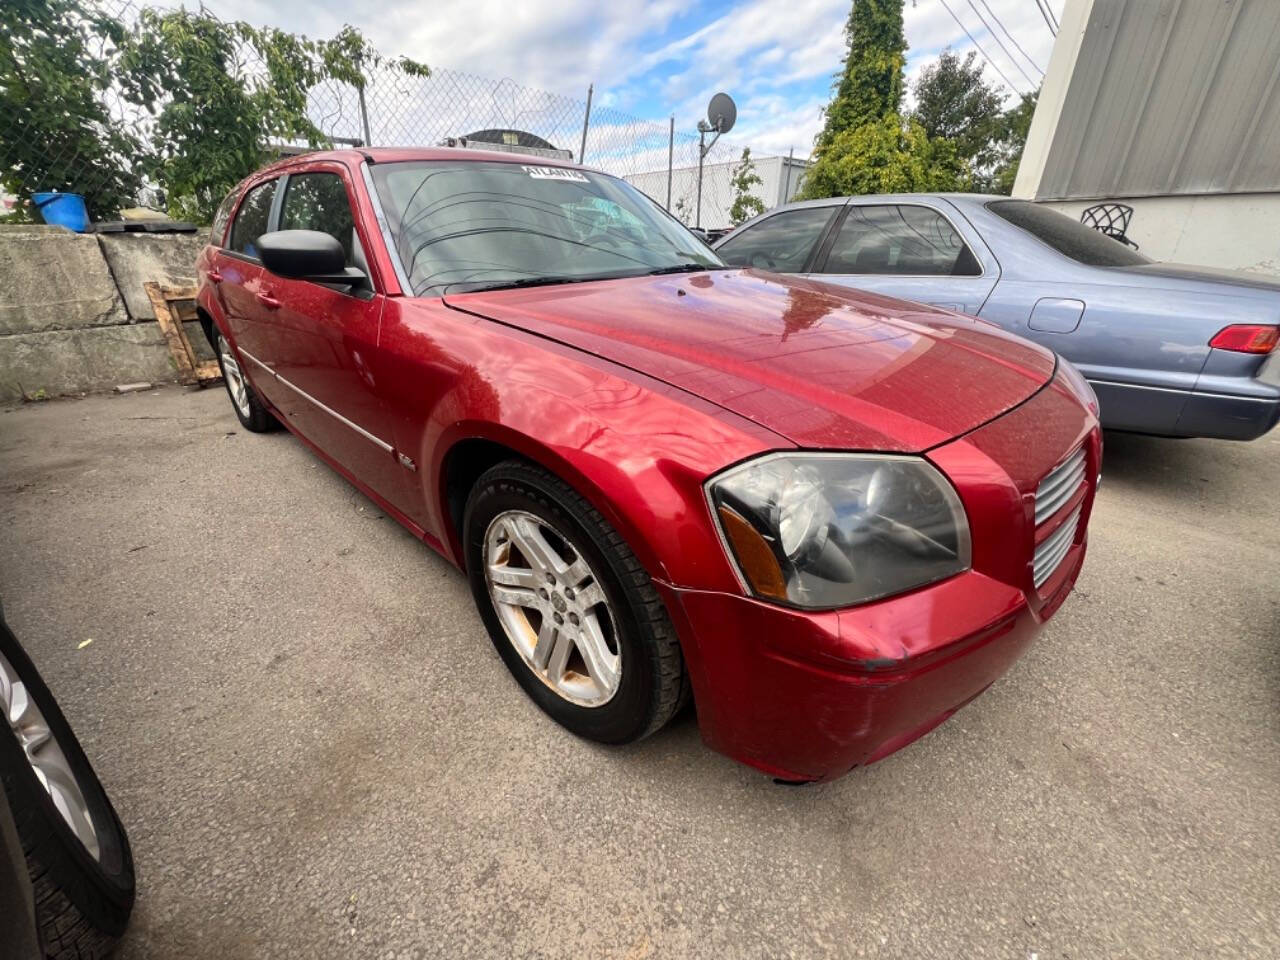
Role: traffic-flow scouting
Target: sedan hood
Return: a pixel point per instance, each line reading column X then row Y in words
column 820, row 365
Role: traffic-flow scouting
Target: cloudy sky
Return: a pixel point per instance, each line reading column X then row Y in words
column 653, row 58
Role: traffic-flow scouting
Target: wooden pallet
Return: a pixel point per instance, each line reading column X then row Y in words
column 173, row 307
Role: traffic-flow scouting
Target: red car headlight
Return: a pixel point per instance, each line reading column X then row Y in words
column 825, row 530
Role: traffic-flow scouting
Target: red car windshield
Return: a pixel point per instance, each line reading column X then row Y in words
column 461, row 226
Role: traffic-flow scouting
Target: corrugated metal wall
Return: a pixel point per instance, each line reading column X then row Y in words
column 1170, row 97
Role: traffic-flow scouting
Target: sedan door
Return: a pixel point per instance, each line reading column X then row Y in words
column 325, row 337
column 914, row 250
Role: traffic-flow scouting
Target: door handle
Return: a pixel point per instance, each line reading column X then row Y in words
column 214, row 276
column 268, row 301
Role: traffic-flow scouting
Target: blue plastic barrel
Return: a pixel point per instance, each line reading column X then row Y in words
column 63, row 210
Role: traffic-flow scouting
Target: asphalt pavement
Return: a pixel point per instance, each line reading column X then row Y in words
column 317, row 752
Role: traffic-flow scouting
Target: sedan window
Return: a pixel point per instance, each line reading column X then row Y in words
column 318, row 201
column 460, row 226
column 251, row 219
column 1069, row 237
column 781, row 242
column 902, row 239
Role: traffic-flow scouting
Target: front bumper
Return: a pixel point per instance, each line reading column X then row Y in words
column 809, row 696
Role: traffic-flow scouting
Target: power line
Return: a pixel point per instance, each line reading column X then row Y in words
column 960, row 23
column 1011, row 38
column 1052, row 16
column 1048, row 20
column 1000, row 43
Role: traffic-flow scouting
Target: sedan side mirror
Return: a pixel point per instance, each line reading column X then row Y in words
column 307, row 255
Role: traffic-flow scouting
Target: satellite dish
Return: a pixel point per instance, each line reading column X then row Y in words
column 722, row 113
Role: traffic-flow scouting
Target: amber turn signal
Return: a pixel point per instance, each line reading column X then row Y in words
column 755, row 557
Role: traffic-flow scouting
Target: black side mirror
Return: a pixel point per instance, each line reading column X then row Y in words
column 307, row 255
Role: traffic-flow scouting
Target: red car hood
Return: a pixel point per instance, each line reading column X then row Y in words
column 822, row 366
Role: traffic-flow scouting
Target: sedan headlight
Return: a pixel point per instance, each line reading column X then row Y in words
column 830, row 530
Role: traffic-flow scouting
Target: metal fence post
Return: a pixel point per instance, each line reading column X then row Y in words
column 586, row 119
column 671, row 152
column 364, row 111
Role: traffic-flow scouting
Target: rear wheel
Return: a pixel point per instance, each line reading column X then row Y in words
column 251, row 412
column 569, row 607
column 77, row 852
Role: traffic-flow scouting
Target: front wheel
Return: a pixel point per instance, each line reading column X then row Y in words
column 77, row 852
column 569, row 607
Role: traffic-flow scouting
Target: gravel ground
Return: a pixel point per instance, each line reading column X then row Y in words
column 317, row 752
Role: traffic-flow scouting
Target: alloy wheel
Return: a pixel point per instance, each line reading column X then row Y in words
column 231, row 372
column 45, row 756
column 553, row 608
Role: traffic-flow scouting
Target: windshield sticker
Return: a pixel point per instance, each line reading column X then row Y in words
column 555, row 173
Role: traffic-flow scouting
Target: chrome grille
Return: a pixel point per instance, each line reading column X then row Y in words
column 1055, row 490
column 1059, row 486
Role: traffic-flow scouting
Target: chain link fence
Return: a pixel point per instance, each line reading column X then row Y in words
column 394, row 108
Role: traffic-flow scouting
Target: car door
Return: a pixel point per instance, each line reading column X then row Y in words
column 324, row 339
column 783, row 242
column 238, row 279
column 913, row 250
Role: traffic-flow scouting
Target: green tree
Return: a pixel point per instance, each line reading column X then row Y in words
column 955, row 102
column 742, row 178
column 891, row 155
column 56, row 133
column 870, row 83
column 1015, row 123
column 223, row 94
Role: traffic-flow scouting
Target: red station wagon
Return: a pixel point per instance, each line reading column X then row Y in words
column 830, row 518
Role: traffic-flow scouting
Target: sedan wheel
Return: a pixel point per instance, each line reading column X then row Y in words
column 77, row 853
column 552, row 608
column 569, row 608
column 45, row 756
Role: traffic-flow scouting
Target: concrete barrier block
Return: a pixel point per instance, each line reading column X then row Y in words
column 74, row 361
column 135, row 258
column 53, row 279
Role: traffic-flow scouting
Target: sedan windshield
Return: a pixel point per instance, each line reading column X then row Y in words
column 462, row 226
column 1069, row 237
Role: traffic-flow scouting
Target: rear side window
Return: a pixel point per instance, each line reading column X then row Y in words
column 251, row 219
column 218, row 233
column 781, row 242
column 902, row 239
column 318, row 201
column 1069, row 237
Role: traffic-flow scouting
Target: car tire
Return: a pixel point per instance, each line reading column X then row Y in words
column 83, row 901
column 250, row 410
column 651, row 680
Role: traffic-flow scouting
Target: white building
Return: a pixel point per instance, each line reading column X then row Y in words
column 1171, row 107
column 781, row 179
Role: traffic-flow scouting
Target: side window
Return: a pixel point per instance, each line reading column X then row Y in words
column 218, row 233
column 781, row 242
column 907, row 240
column 251, row 219
column 318, row 201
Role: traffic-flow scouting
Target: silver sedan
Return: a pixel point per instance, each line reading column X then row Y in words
column 1170, row 350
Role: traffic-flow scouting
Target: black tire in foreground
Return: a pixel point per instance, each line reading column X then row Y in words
column 250, row 410
column 653, row 683
column 82, row 902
